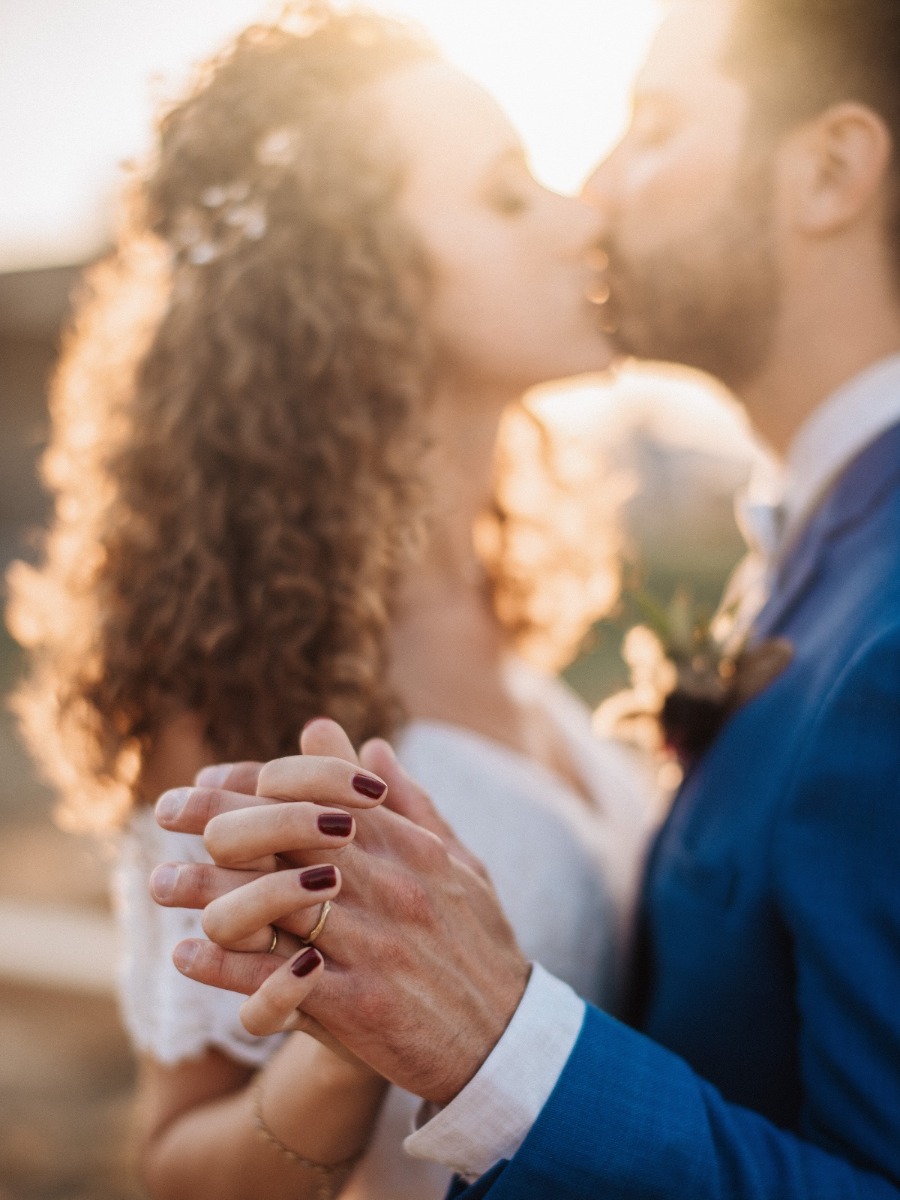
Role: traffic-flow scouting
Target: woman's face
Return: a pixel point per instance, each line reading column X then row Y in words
column 510, row 259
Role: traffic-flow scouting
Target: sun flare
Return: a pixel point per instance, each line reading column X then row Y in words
column 562, row 71
column 81, row 83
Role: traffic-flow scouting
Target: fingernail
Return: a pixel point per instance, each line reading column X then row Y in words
column 336, row 824
column 367, row 785
column 318, row 879
column 311, row 721
column 162, row 882
column 184, row 954
column 213, row 777
column 306, row 963
column 171, row 803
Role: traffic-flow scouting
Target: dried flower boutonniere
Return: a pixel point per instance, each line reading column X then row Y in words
column 686, row 678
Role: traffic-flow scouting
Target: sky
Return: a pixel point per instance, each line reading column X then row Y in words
column 80, row 80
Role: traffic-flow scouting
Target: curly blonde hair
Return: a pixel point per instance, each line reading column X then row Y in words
column 238, row 427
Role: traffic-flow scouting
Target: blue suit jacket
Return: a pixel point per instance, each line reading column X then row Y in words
column 768, row 1062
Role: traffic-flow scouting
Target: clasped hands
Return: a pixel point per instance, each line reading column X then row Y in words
column 416, row 972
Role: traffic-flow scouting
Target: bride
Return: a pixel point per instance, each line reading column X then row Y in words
column 275, row 426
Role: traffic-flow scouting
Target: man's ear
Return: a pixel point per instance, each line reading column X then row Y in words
column 835, row 167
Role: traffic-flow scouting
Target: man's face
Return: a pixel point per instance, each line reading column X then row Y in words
column 689, row 207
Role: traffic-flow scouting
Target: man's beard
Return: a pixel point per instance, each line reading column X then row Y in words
column 709, row 302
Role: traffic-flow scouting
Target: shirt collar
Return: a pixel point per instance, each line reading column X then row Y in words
column 782, row 497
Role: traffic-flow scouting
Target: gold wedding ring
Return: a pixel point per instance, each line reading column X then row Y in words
column 319, row 926
column 271, row 949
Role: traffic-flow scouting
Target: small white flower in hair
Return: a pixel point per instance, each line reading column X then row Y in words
column 249, row 218
column 202, row 253
column 214, row 197
column 276, row 149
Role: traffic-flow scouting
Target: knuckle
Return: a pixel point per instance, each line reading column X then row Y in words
column 253, row 1021
column 256, row 1014
column 194, row 884
column 290, row 822
column 207, row 803
column 216, row 839
column 412, row 902
column 212, row 922
column 275, row 775
column 431, row 853
column 251, row 972
column 232, row 970
column 297, row 777
column 478, row 867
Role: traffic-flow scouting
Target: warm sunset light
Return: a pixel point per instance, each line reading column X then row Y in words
column 562, row 71
column 80, row 82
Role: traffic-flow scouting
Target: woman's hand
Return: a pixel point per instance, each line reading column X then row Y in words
column 423, row 972
column 257, row 902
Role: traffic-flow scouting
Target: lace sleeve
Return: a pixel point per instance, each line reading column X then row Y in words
column 168, row 1016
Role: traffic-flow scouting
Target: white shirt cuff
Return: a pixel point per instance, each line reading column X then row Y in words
column 491, row 1116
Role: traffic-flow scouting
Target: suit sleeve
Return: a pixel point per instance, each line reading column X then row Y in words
column 629, row 1120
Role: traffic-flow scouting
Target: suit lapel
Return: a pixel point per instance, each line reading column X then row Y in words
column 875, row 472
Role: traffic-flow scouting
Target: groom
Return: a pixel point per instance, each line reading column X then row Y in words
column 753, row 230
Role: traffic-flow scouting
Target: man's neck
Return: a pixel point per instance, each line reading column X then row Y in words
column 821, row 348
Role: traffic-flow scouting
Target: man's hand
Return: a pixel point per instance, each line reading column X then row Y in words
column 421, row 970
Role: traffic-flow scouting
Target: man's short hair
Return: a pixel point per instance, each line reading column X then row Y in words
column 798, row 57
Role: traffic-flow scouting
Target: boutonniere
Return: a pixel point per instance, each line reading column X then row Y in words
column 687, row 677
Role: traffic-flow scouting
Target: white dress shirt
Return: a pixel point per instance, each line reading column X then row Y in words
column 782, row 498
column 492, row 1115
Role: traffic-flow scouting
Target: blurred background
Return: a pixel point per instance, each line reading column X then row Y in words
column 79, row 82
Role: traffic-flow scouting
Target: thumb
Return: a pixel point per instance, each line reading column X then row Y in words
column 408, row 799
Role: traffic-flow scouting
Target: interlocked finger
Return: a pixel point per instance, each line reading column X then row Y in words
column 271, row 940
column 252, row 833
column 278, row 942
column 190, row 809
column 272, row 1007
column 227, row 969
column 291, row 900
column 194, row 885
column 246, row 973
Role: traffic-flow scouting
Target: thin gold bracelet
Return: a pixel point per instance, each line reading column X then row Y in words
column 327, row 1172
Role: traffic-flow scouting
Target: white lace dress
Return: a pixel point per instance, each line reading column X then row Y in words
column 565, row 869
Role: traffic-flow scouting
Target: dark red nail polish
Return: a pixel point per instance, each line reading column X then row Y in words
column 367, row 786
column 336, row 824
column 318, row 879
column 306, row 963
